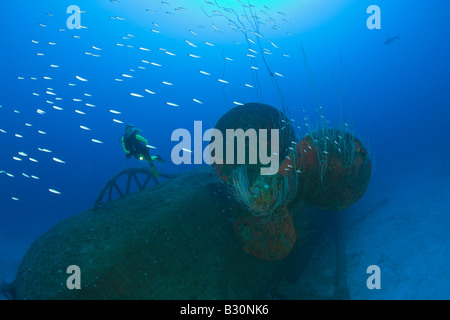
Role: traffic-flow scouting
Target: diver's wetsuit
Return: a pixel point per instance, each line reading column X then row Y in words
column 136, row 145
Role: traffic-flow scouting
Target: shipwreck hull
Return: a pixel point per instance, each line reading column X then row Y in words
column 171, row 241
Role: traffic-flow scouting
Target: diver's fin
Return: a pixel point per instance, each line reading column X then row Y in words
column 158, row 158
column 154, row 170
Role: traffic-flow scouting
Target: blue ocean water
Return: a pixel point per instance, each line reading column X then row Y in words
column 72, row 91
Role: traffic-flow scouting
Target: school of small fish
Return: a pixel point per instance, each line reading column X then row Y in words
column 154, row 75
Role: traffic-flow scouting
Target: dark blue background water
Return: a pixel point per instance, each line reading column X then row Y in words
column 396, row 96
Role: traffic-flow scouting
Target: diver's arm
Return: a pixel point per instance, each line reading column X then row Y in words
column 142, row 139
column 123, row 146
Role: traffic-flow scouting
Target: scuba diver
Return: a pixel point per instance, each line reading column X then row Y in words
column 135, row 145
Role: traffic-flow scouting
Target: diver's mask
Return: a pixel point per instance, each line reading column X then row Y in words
column 130, row 130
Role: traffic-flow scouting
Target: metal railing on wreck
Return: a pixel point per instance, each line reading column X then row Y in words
column 131, row 176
